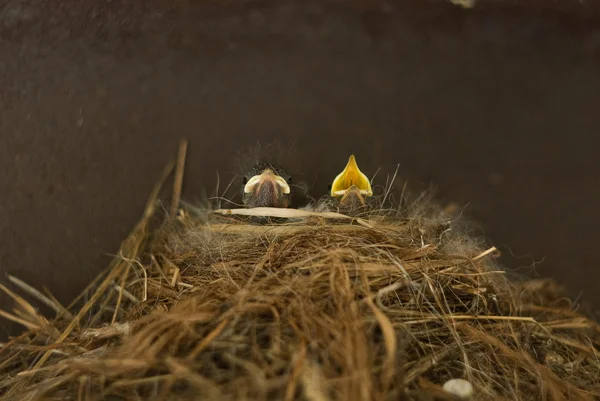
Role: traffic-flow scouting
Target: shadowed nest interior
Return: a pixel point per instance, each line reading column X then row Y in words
column 204, row 305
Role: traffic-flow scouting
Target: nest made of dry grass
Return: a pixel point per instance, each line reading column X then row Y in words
column 199, row 305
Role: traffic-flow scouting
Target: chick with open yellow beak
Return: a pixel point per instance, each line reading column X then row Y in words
column 266, row 186
column 351, row 187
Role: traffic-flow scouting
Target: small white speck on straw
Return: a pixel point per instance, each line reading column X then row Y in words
column 459, row 387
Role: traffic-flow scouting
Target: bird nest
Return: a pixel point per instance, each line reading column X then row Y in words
column 316, row 306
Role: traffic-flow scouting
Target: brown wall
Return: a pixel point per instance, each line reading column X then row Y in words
column 499, row 111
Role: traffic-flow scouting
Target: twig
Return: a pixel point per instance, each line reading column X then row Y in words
column 26, row 323
column 120, row 296
column 58, row 308
column 178, row 182
column 389, row 188
column 289, row 213
column 485, row 253
column 175, row 277
column 278, row 229
column 125, row 293
column 468, row 317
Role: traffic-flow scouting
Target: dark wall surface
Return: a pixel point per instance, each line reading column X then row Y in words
column 498, row 110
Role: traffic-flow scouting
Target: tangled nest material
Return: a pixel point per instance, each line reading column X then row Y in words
column 201, row 305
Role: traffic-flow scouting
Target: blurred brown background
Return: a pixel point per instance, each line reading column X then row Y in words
column 498, row 109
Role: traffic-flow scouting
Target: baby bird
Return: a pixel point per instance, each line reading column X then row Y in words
column 266, row 185
column 351, row 188
column 265, row 181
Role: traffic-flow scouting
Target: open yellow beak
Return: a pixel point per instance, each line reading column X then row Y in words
column 351, row 177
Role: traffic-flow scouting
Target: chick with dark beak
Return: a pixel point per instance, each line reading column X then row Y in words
column 266, row 186
column 351, row 188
